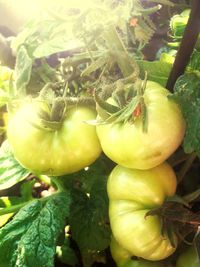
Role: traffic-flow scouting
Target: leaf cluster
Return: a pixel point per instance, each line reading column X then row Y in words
column 187, row 94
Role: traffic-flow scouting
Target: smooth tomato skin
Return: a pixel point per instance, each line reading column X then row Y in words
column 66, row 150
column 132, row 193
column 188, row 259
column 129, row 146
column 123, row 258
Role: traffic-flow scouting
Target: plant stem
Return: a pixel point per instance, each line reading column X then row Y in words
column 116, row 47
column 186, row 167
column 58, row 183
column 44, row 178
column 13, row 208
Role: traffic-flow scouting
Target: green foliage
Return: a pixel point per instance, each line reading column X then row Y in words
column 11, row 172
column 89, row 217
column 158, row 71
column 30, row 239
column 187, row 94
column 178, row 23
column 86, row 178
column 194, row 61
column 45, row 36
column 63, row 29
column 23, row 68
column 40, row 39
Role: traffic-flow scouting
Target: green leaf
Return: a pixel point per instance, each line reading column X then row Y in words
column 30, row 239
column 55, row 45
column 178, row 23
column 89, row 217
column 23, row 68
column 158, row 71
column 23, row 37
column 86, row 178
column 11, row 172
column 195, row 61
column 187, row 94
column 11, row 233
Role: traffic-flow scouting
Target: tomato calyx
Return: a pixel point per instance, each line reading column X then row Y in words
column 177, row 218
column 53, row 109
column 128, row 104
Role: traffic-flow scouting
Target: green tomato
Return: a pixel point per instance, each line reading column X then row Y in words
column 132, row 193
column 129, row 146
column 188, row 259
column 68, row 149
column 123, row 258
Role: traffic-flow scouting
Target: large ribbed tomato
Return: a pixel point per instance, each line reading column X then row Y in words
column 67, row 149
column 129, row 146
column 132, row 193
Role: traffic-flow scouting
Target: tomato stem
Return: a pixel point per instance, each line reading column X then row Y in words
column 58, row 183
column 44, row 178
column 117, row 49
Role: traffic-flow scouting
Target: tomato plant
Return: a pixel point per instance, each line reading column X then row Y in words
column 130, row 146
column 132, row 193
column 120, row 76
column 66, row 149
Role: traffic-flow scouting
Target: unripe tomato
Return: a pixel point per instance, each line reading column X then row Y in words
column 68, row 149
column 132, row 193
column 130, row 146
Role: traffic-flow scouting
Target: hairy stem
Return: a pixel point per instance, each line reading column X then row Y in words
column 126, row 63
